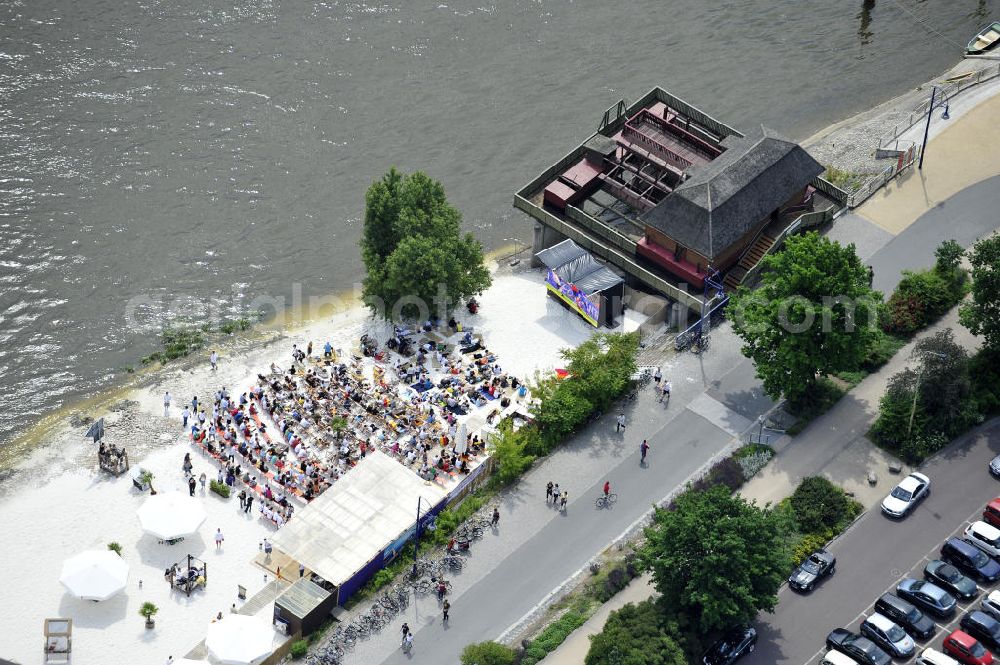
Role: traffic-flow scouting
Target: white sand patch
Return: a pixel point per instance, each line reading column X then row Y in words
column 66, row 505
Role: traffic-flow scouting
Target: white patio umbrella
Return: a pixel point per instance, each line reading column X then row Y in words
column 462, row 439
column 171, row 515
column 238, row 639
column 95, row 574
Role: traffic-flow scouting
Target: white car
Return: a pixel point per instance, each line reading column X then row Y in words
column 906, row 495
column 984, row 536
column 991, row 604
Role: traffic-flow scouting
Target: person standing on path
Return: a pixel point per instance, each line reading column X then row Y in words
column 643, row 449
column 555, row 495
column 203, row 479
column 302, row 570
column 657, row 376
column 185, row 415
column 548, row 491
column 243, row 499
column 444, row 610
column 620, row 425
column 496, row 517
column 166, row 404
column 563, row 500
column 218, row 539
column 607, row 488
column 214, row 360
column 192, row 483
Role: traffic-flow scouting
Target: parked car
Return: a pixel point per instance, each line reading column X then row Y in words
column 815, row 567
column 927, row 596
column 837, row 658
column 732, row 646
column 888, row 636
column 984, row 536
column 967, row 649
column 934, row 657
column 906, row 495
column 861, row 649
column 970, row 560
column 983, row 627
column 948, row 578
column 913, row 621
column 991, row 513
column 991, row 604
column 995, row 466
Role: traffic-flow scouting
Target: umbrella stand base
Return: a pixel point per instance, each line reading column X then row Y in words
column 150, row 624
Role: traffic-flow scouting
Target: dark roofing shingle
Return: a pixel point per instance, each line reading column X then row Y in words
column 727, row 197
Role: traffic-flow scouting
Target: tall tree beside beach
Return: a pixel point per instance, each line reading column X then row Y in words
column 813, row 314
column 414, row 251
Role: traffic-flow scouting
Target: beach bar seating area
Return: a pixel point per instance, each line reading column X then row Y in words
column 187, row 575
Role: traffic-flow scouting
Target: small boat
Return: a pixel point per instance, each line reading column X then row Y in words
column 985, row 40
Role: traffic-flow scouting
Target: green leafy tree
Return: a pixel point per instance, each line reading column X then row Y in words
column 717, row 557
column 982, row 315
column 813, row 314
column 418, row 262
column 819, row 505
column 635, row 635
column 487, row 653
column 508, row 449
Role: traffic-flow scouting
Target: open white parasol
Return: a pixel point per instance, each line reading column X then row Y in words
column 95, row 574
column 171, row 515
column 237, row 639
column 462, row 439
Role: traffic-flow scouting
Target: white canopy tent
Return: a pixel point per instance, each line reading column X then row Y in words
column 237, row 639
column 171, row 515
column 95, row 574
column 350, row 523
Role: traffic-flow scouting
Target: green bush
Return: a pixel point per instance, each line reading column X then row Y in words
column 221, row 489
column 819, row 505
column 639, row 634
column 115, row 547
column 487, row 653
column 299, row 649
column 809, row 544
column 508, row 450
column 921, row 297
column 550, row 638
column 984, row 372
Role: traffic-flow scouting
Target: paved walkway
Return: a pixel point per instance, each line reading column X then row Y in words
column 834, row 445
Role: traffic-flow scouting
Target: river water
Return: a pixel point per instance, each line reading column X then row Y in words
column 175, row 158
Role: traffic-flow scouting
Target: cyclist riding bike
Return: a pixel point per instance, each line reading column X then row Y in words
column 607, row 488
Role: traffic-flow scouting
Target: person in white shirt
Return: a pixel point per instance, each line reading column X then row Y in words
column 214, row 360
column 166, row 404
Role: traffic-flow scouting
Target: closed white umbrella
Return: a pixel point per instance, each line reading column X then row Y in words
column 238, row 639
column 94, row 575
column 171, row 515
column 462, row 440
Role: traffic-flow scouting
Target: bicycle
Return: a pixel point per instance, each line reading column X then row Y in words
column 606, row 501
column 453, row 562
column 701, row 343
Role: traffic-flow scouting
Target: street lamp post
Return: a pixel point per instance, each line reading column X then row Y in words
column 927, row 127
column 416, row 543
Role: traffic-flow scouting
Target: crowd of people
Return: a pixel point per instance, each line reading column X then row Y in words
column 296, row 431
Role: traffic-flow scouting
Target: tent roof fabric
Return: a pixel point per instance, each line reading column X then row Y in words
column 727, row 197
column 354, row 520
column 574, row 264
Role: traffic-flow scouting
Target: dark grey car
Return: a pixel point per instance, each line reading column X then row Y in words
column 816, row 566
column 927, row 596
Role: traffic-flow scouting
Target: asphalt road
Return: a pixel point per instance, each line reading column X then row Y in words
column 877, row 552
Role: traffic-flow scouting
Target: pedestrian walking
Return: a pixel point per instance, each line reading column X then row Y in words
column 620, row 425
column 166, row 404
column 192, row 483
column 444, row 610
column 555, row 494
column 405, row 630
column 302, row 570
column 563, row 500
column 548, row 491
column 203, row 479
column 185, row 414
column 243, row 499
column 268, row 548
column 643, row 449
column 666, row 391
column 249, row 503
column 218, row 539
column 407, row 643
column 214, row 360
column 496, row 517
column 657, row 376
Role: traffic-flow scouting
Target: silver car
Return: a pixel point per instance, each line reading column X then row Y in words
column 991, row 604
column 888, row 635
column 906, row 495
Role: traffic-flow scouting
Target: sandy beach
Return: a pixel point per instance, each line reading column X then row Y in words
column 65, row 504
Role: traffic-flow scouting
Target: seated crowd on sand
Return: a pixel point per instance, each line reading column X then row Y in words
column 297, row 431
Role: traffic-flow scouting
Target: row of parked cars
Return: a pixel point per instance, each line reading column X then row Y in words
column 901, row 617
